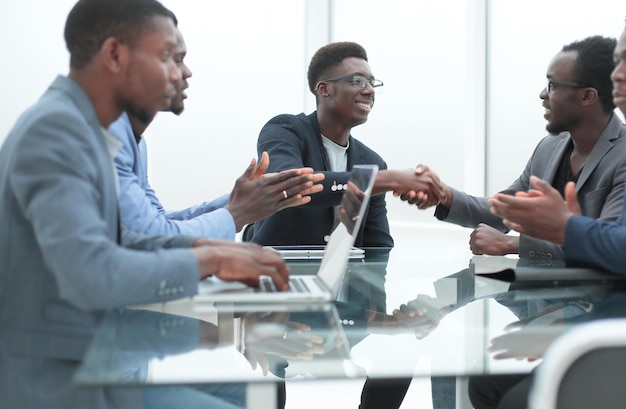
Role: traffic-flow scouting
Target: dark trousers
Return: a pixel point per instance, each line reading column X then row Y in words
column 499, row 391
column 389, row 393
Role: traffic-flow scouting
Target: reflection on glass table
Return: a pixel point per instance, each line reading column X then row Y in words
column 457, row 324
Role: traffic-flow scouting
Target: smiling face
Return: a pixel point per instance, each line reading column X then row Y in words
column 151, row 75
column 347, row 104
column 618, row 76
column 561, row 103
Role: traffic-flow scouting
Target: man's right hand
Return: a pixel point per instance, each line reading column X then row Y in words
column 257, row 195
column 420, row 186
column 243, row 262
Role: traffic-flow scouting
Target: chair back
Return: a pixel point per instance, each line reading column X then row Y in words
column 583, row 368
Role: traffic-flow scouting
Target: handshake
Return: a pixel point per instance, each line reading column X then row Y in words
column 422, row 187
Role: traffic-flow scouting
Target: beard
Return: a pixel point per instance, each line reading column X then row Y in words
column 177, row 107
column 557, row 127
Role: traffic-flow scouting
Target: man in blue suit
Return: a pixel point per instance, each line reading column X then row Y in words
column 64, row 260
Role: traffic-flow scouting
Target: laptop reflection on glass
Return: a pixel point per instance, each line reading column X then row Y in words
column 323, row 286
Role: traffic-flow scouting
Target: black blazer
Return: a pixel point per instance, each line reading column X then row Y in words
column 294, row 141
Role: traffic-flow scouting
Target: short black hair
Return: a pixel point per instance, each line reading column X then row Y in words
column 594, row 64
column 90, row 22
column 330, row 56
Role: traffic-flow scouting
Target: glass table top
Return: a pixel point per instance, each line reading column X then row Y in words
column 397, row 315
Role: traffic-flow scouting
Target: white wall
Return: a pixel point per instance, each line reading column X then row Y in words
column 424, row 52
column 249, row 59
column 34, row 53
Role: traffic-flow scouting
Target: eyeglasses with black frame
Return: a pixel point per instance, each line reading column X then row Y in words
column 552, row 84
column 357, row 81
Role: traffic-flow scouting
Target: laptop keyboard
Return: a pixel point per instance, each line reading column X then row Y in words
column 296, row 285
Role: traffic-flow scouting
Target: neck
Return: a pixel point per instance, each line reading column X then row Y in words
column 138, row 126
column 333, row 130
column 100, row 92
column 588, row 132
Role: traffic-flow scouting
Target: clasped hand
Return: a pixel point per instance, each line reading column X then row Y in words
column 420, row 316
column 421, row 187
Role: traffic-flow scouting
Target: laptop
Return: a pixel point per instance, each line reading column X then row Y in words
column 311, row 252
column 324, row 285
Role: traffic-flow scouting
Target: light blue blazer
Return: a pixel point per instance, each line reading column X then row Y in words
column 141, row 210
column 60, row 262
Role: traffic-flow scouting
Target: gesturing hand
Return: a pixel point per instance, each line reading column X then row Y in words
column 540, row 212
column 257, row 195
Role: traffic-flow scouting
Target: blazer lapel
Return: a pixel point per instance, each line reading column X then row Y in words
column 600, row 149
column 109, row 203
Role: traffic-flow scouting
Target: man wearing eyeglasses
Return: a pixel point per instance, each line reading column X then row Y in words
column 587, row 242
column 344, row 87
column 539, row 210
column 586, row 145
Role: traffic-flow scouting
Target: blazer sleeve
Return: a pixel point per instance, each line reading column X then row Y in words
column 138, row 241
column 594, row 243
column 60, row 181
column 292, row 143
column 469, row 211
column 141, row 210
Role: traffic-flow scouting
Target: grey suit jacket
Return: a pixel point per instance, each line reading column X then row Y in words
column 60, row 261
column 600, row 186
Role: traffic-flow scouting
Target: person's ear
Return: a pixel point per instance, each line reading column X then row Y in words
column 590, row 96
column 322, row 89
column 113, row 54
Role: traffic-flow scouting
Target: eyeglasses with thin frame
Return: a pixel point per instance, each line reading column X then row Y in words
column 552, row 84
column 357, row 81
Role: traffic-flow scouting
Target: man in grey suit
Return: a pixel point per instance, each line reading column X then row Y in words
column 586, row 145
column 64, row 260
column 587, row 242
column 542, row 212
